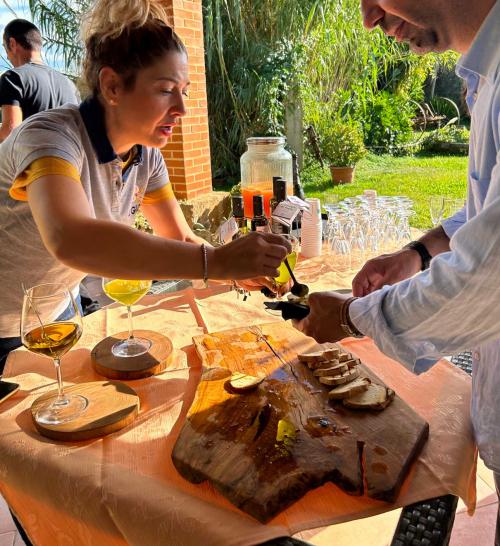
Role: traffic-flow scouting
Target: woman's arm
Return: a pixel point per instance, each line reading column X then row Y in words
column 110, row 249
column 167, row 220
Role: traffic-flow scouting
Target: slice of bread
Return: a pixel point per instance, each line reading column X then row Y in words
column 336, row 369
column 375, row 397
column 345, row 377
column 241, row 383
column 352, row 362
column 344, row 357
column 325, row 364
column 319, row 356
column 350, row 389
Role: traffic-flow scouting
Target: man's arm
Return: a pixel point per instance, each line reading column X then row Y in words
column 446, row 309
column 12, row 116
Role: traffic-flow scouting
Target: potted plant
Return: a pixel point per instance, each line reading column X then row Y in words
column 342, row 147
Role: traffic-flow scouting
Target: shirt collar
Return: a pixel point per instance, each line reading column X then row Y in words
column 483, row 57
column 92, row 114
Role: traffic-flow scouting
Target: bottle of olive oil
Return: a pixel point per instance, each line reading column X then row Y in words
column 239, row 216
column 259, row 221
column 279, row 196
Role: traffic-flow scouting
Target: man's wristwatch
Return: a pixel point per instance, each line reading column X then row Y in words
column 425, row 257
column 345, row 323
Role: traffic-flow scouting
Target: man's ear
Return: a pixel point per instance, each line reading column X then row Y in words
column 12, row 44
column 110, row 85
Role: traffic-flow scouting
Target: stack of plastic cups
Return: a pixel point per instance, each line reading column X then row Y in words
column 311, row 232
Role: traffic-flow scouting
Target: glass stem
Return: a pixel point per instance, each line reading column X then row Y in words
column 60, row 392
column 130, row 329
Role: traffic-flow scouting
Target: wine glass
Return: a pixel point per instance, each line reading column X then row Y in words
column 128, row 292
column 51, row 324
column 436, row 208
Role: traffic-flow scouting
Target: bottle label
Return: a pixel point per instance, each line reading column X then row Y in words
column 285, row 213
column 228, row 230
column 302, row 205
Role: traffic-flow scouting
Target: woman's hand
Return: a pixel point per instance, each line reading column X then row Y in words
column 264, row 282
column 249, row 257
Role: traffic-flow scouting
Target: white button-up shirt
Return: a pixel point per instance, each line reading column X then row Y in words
column 455, row 305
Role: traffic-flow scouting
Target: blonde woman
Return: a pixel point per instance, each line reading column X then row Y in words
column 73, row 178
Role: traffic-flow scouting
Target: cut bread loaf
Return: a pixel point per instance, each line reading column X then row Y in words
column 331, row 371
column 345, row 377
column 319, row 356
column 350, row 389
column 376, row 397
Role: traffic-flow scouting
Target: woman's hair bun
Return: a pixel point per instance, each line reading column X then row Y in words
column 110, row 18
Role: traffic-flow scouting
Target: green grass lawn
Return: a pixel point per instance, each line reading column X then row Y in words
column 417, row 177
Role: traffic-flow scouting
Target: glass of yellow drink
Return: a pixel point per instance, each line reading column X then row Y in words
column 284, row 275
column 51, row 323
column 128, row 292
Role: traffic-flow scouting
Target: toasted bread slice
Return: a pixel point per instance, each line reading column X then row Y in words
column 344, row 357
column 345, row 377
column 375, row 397
column 215, row 374
column 319, row 356
column 323, row 364
column 352, row 362
column 241, row 383
column 350, row 389
column 336, row 369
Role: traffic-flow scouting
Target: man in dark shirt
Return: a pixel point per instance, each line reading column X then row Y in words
column 31, row 86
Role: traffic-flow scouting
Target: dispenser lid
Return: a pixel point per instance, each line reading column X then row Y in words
column 262, row 141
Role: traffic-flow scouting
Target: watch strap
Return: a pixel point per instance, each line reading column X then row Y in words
column 425, row 257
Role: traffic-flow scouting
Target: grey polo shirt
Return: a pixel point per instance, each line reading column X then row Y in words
column 77, row 135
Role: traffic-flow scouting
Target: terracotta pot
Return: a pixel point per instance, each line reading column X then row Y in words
column 342, row 175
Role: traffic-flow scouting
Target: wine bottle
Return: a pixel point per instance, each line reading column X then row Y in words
column 259, row 221
column 239, row 215
column 279, row 196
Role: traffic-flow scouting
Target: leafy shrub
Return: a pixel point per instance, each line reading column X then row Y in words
column 387, row 122
column 451, row 139
column 341, row 144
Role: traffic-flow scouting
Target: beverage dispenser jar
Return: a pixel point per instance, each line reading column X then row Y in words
column 265, row 157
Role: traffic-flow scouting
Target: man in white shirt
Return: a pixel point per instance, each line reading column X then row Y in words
column 453, row 303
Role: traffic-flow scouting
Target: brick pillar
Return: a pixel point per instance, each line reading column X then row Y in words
column 187, row 155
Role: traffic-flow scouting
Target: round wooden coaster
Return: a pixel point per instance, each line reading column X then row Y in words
column 135, row 367
column 112, row 406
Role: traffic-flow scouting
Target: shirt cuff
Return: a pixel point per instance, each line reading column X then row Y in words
column 367, row 315
column 452, row 224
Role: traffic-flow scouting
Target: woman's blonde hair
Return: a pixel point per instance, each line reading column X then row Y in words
column 126, row 35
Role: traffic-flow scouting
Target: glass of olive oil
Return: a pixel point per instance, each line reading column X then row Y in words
column 51, row 323
column 128, row 292
column 284, row 275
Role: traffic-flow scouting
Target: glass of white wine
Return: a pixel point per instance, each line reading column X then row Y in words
column 51, row 323
column 128, row 292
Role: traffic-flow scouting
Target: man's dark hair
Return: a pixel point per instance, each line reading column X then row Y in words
column 25, row 33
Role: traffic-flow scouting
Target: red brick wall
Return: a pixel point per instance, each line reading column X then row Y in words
column 188, row 153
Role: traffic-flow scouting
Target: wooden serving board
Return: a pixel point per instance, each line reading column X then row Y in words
column 135, row 367
column 112, row 406
column 266, row 448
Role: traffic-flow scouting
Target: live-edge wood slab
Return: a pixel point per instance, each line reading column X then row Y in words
column 134, row 367
column 112, row 406
column 264, row 449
